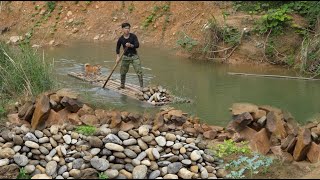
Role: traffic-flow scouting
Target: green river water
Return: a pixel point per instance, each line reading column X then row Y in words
column 207, row 84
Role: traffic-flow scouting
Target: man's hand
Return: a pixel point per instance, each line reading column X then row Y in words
column 118, row 59
column 129, row 45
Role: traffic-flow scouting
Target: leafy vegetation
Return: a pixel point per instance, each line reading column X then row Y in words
column 51, row 5
column 131, row 8
column 254, row 165
column 229, row 147
column 275, row 19
column 157, row 12
column 86, row 130
column 23, row 174
column 102, row 175
column 186, row 42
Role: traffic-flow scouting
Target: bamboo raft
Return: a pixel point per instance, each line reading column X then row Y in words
column 130, row 90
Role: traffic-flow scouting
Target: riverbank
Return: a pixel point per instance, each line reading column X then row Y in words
column 162, row 24
column 72, row 140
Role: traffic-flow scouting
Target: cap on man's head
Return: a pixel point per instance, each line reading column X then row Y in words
column 123, row 25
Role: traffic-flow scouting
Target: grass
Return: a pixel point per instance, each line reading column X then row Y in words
column 23, row 174
column 86, row 130
column 23, row 73
column 102, row 176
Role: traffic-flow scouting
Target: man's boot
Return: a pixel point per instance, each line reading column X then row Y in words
column 123, row 80
column 141, row 82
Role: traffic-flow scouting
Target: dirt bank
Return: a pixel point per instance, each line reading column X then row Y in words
column 100, row 21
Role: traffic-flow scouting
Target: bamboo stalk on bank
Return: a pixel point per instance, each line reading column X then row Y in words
column 268, row 75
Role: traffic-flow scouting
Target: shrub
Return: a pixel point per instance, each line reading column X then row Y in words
column 186, row 42
column 229, row 147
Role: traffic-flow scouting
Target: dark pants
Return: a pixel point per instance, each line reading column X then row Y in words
column 135, row 61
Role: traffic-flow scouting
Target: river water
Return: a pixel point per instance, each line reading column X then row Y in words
column 207, row 84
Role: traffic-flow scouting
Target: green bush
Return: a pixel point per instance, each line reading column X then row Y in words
column 275, row 19
column 229, row 147
column 186, row 42
column 51, row 5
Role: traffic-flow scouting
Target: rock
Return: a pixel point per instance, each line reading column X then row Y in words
column 274, row 124
column 139, row 172
column 4, row 162
column 30, row 137
column 194, row 168
column 115, row 119
column 186, row 161
column 111, row 138
column 154, row 174
column 141, row 156
column 210, row 134
column 126, row 126
column 90, row 120
column 21, row 160
column 170, row 176
column 185, row 174
column 155, row 153
column 174, row 168
column 302, row 145
column 129, row 142
column 123, row 135
column 260, row 142
column 195, row 155
column 239, row 108
column 314, row 153
column 89, row 173
column 143, row 130
column 142, row 144
column 259, row 114
column 221, row 173
column 72, row 105
column 262, row 121
column 41, row 112
column 41, row 176
column 95, row 142
column 54, row 118
column 6, row 153
column 112, row 173
column 77, row 163
column 204, row 174
column 30, row 168
column 17, row 140
column 131, row 154
column 51, row 168
column 75, row 173
column 114, row 147
column 67, row 139
column 95, row 151
column 99, row 164
column 161, row 141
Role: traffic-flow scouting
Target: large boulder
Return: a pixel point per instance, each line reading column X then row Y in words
column 41, row 111
column 303, row 145
column 260, row 142
column 239, row 108
column 314, row 153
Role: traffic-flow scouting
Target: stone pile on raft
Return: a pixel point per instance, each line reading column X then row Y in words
column 271, row 130
column 158, row 95
column 41, row 137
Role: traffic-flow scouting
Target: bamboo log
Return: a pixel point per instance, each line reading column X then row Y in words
column 275, row 76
